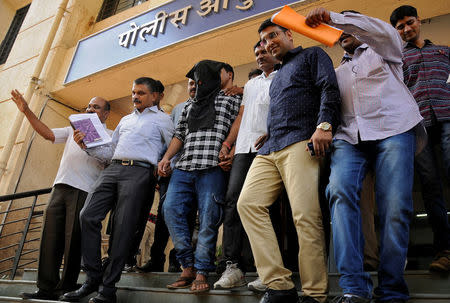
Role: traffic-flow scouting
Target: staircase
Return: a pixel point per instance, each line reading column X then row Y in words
column 425, row 287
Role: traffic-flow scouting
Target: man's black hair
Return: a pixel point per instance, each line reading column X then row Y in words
column 159, row 87
column 107, row 106
column 254, row 72
column 267, row 23
column 257, row 44
column 152, row 84
column 228, row 68
column 350, row 11
column 402, row 12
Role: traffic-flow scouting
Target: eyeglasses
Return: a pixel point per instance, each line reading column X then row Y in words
column 269, row 37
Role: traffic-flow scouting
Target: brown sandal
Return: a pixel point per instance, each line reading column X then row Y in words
column 195, row 283
column 187, row 281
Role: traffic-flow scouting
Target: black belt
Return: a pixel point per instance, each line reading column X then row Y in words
column 133, row 163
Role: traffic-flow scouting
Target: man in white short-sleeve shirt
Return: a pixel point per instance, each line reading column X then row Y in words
column 76, row 175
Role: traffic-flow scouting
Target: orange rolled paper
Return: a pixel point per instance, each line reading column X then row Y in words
column 290, row 19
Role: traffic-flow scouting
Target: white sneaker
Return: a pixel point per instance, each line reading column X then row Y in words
column 257, row 286
column 231, row 277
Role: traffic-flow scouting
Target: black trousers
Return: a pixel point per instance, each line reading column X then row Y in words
column 235, row 244
column 61, row 236
column 126, row 189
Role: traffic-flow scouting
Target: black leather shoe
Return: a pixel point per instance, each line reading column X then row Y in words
column 150, row 267
column 352, row 299
column 40, row 294
column 85, row 290
column 102, row 299
column 307, row 299
column 280, row 296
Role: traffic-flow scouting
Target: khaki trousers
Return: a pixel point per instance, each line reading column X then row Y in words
column 299, row 172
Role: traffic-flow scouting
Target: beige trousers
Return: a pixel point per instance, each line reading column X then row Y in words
column 299, row 172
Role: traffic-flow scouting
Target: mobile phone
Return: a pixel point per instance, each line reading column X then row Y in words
column 311, row 149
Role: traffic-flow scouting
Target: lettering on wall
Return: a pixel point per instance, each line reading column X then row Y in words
column 170, row 23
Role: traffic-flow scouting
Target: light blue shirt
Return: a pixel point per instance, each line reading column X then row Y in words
column 176, row 113
column 138, row 136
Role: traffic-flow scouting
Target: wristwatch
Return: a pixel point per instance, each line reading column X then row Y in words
column 325, row 126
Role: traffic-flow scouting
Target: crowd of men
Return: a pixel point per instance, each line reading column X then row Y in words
column 227, row 154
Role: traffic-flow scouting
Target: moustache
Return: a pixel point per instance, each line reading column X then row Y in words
column 136, row 101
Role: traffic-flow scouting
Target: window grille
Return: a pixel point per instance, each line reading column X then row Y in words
column 112, row 7
column 8, row 42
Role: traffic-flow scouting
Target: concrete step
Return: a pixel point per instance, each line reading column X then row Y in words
column 10, row 292
column 418, row 281
column 151, row 287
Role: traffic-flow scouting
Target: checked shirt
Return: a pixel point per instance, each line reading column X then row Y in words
column 426, row 72
column 201, row 148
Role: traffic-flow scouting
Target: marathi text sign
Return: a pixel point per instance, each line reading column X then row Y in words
column 165, row 25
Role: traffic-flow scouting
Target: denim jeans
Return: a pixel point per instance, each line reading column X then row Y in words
column 206, row 188
column 429, row 172
column 393, row 162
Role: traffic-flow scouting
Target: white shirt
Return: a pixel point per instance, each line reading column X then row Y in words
column 138, row 136
column 76, row 168
column 256, row 101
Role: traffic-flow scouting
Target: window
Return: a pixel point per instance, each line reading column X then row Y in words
column 11, row 35
column 112, row 7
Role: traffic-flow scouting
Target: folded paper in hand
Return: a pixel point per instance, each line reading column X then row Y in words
column 290, row 19
column 91, row 126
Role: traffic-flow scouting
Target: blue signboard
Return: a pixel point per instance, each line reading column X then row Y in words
column 160, row 27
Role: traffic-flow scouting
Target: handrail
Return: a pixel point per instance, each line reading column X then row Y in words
column 18, row 209
column 24, row 229
column 25, row 194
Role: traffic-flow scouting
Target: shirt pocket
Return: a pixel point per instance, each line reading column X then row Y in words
column 149, row 131
column 370, row 88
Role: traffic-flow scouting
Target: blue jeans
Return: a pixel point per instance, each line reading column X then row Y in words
column 186, row 189
column 429, row 172
column 393, row 162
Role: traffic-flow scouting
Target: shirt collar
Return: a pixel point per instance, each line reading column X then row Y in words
column 263, row 76
column 348, row 57
column 153, row 108
column 409, row 45
column 291, row 54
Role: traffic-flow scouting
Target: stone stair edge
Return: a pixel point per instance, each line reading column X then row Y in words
column 220, row 292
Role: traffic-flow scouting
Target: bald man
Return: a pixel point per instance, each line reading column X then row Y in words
column 61, row 228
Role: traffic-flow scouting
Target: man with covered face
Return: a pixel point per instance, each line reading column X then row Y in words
column 379, row 121
column 201, row 134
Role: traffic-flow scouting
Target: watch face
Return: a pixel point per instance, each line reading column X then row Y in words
column 324, row 126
